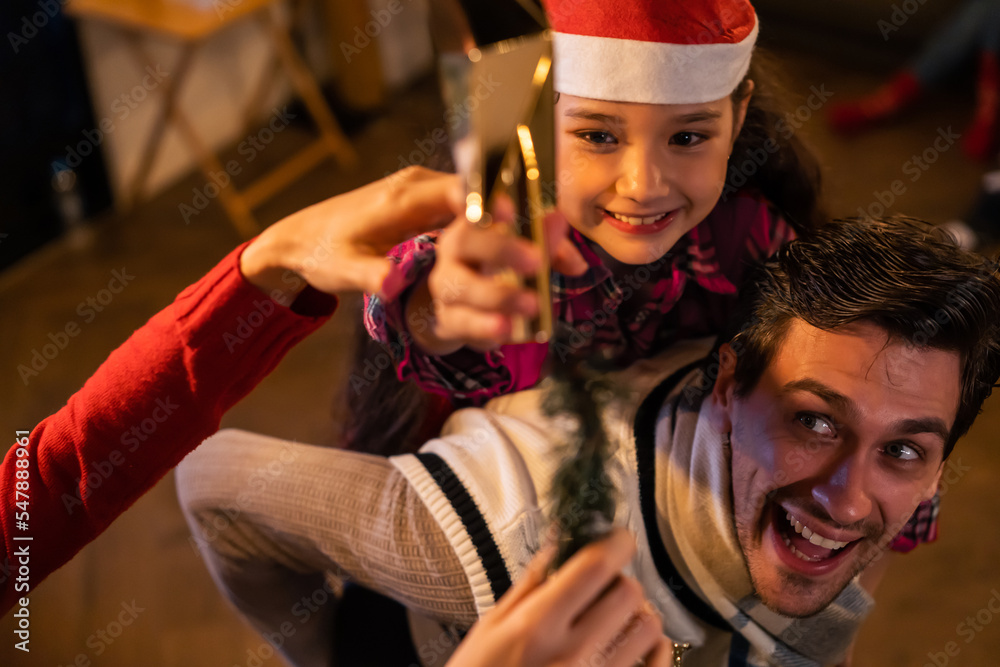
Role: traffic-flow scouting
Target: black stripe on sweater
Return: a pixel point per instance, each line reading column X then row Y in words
column 472, row 518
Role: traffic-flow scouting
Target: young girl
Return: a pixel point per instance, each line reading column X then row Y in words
column 650, row 121
column 675, row 172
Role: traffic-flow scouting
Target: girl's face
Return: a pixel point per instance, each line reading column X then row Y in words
column 634, row 178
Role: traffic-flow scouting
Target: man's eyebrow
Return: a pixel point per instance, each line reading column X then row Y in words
column 933, row 425
column 812, row 386
column 926, row 425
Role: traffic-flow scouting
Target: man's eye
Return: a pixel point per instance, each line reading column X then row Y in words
column 817, row 424
column 598, row 137
column 901, row 451
column 687, row 139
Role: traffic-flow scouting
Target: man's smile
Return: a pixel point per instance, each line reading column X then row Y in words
column 808, row 551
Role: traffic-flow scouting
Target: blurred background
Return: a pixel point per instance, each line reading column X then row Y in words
column 229, row 97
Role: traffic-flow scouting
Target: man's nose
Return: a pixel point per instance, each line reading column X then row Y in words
column 844, row 490
column 642, row 175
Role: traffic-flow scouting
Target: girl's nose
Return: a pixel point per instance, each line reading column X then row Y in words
column 641, row 177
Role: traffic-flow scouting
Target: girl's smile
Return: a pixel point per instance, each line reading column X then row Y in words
column 640, row 223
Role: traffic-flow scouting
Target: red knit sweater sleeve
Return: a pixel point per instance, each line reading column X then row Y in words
column 150, row 403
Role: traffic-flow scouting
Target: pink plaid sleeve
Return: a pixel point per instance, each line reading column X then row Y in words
column 769, row 232
column 467, row 377
column 921, row 528
column 383, row 315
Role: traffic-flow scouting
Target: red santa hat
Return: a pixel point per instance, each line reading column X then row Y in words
column 651, row 51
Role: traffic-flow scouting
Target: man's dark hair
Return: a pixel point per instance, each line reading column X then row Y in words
column 900, row 274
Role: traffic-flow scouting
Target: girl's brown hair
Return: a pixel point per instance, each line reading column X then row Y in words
column 768, row 154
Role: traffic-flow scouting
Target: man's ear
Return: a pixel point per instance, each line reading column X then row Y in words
column 725, row 387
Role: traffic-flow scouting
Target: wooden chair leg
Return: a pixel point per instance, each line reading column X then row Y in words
column 235, row 205
column 170, row 112
column 264, row 85
column 306, row 86
column 168, row 89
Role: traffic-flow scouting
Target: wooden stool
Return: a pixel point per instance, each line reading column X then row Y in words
column 191, row 26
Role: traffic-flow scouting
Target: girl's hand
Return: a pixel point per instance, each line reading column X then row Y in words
column 462, row 303
column 584, row 610
column 339, row 245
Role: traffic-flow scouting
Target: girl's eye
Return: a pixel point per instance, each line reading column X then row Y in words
column 816, row 424
column 598, row 137
column 687, row 139
column 901, row 451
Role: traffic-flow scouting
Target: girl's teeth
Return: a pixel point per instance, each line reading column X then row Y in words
column 635, row 222
column 813, row 537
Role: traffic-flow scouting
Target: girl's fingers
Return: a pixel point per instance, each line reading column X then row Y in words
column 489, row 249
column 566, row 258
column 457, row 285
column 480, row 330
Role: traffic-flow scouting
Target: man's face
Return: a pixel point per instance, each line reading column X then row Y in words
column 840, row 440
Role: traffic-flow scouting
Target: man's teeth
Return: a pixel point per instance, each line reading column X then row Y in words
column 799, row 554
column 813, row 537
column 639, row 221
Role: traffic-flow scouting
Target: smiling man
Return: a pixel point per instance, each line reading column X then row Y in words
column 760, row 477
column 841, row 436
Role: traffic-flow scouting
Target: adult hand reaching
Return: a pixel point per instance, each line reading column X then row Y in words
column 585, row 609
column 339, row 244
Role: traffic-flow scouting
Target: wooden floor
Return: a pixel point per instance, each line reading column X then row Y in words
column 143, row 568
